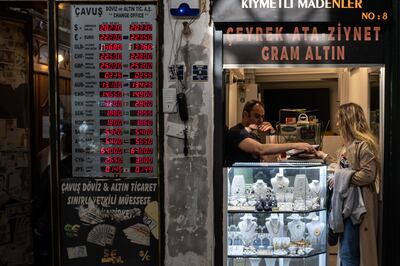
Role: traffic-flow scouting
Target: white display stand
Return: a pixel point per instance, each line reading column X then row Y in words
column 290, row 227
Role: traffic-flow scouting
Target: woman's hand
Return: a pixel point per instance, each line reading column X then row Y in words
column 331, row 181
column 322, row 155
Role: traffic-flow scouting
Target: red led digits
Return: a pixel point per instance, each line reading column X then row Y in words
column 141, row 46
column 142, row 169
column 113, row 112
column 110, row 37
column 111, row 94
column 112, row 141
column 126, row 140
column 110, row 84
column 141, row 84
column 142, row 141
column 110, row 75
column 140, row 37
column 140, row 27
column 111, row 122
column 140, row 150
column 141, row 132
column 141, row 122
column 141, row 103
column 110, row 27
column 111, row 160
column 141, row 65
column 108, row 113
column 142, row 160
column 141, row 94
column 111, row 169
column 111, row 150
column 110, row 65
column 112, row 47
column 110, row 56
column 140, row 56
column 111, row 131
column 141, row 75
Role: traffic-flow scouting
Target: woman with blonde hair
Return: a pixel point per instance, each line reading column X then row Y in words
column 360, row 153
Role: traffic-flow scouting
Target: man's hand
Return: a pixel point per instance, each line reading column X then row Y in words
column 304, row 146
column 251, row 128
column 264, row 127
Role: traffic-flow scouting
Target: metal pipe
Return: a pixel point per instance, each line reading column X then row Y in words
column 54, row 132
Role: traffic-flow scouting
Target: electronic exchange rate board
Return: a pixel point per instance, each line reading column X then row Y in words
column 114, row 96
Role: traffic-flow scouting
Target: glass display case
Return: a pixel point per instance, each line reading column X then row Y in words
column 276, row 214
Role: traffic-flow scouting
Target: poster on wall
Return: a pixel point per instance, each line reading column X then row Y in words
column 113, row 222
column 16, row 243
column 114, row 96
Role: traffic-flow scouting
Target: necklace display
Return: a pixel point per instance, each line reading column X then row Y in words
column 238, row 186
column 247, row 229
column 296, row 229
column 300, row 183
column 279, row 183
column 315, row 188
column 315, row 230
column 247, row 226
column 238, row 191
column 260, row 189
column 274, row 226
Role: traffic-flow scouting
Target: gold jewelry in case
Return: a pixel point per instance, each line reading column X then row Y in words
column 302, row 243
column 317, row 232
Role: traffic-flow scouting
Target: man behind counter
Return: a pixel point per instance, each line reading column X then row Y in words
column 243, row 142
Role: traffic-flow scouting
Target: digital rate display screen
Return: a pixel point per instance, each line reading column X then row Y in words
column 114, row 87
